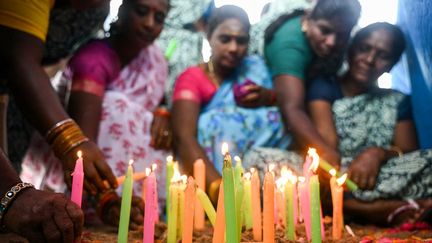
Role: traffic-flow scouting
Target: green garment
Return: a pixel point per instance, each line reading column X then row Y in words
column 289, row 51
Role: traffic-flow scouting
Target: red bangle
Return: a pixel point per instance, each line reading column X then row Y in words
column 161, row 112
column 273, row 98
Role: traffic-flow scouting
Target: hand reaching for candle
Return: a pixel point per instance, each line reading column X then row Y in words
column 256, row 96
column 112, row 212
column 365, row 167
column 96, row 170
column 161, row 134
column 44, row 217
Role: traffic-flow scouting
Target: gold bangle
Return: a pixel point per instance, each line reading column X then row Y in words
column 58, row 126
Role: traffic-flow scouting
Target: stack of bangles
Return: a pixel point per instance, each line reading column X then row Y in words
column 65, row 136
column 105, row 201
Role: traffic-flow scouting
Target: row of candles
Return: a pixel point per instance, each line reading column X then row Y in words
column 287, row 201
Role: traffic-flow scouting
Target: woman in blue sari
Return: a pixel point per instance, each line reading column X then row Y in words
column 229, row 99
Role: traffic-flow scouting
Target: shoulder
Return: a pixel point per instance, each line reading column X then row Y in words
column 156, row 54
column 93, row 52
column 326, row 89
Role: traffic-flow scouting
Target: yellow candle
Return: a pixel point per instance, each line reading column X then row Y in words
column 182, row 187
column 247, row 202
column 169, row 175
column 173, row 208
column 205, row 202
column 189, row 211
column 199, row 171
column 126, row 203
column 290, row 208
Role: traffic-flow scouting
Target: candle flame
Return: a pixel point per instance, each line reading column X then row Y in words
column 169, row 158
column 224, row 148
column 280, row 183
column 315, row 159
column 154, row 167
column 301, row 179
column 176, row 166
column 293, row 179
column 252, row 170
column 284, row 170
column 271, row 167
column 184, row 179
column 147, row 171
column 238, row 160
column 247, row 176
column 79, row 154
column 332, row 172
column 176, row 177
column 341, row 180
column 131, row 161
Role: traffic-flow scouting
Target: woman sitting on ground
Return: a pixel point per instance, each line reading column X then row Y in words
column 373, row 129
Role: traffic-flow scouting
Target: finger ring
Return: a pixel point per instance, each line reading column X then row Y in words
column 165, row 133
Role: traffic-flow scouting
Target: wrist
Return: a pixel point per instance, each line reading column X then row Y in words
column 9, row 197
column 105, row 201
column 272, row 100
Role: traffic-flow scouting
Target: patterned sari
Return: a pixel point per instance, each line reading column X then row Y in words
column 364, row 121
column 124, row 128
column 222, row 120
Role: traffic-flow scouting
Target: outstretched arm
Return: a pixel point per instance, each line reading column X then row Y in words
column 290, row 93
column 184, row 123
column 21, row 59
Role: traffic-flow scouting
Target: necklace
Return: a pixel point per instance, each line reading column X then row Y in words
column 212, row 74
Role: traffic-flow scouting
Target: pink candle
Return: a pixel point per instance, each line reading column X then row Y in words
column 77, row 180
column 303, row 188
column 150, row 209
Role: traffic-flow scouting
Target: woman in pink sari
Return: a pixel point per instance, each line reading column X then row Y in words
column 117, row 86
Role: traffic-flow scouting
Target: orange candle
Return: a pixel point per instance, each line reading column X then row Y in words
column 268, row 212
column 189, row 208
column 337, row 201
column 199, row 175
column 219, row 229
column 256, row 205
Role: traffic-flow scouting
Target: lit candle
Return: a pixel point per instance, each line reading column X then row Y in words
column 239, row 191
column 169, row 175
column 232, row 235
column 305, row 204
column 205, row 202
column 189, row 211
column 77, row 180
column 181, row 191
column 247, row 201
column 280, row 201
column 219, row 229
column 199, row 171
column 256, row 205
column 352, row 186
column 144, row 185
column 290, row 207
column 268, row 211
column 156, row 198
column 315, row 206
column 150, row 209
column 337, row 200
column 173, row 208
column 126, row 203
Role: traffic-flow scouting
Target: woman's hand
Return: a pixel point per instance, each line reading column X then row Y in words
column 365, row 167
column 256, row 96
column 96, row 170
column 161, row 133
column 112, row 215
column 43, row 216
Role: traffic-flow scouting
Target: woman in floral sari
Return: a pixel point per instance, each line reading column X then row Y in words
column 229, row 99
column 117, row 85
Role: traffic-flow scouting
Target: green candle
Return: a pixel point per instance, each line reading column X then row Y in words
column 207, row 205
column 172, row 46
column 315, row 209
column 169, row 175
column 126, row 203
column 229, row 200
column 173, row 213
column 239, row 206
column 351, row 185
column 289, row 211
column 247, row 201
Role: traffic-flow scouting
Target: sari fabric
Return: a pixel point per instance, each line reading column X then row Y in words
column 222, row 120
column 124, row 129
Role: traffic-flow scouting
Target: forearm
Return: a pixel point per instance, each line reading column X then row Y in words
column 7, row 173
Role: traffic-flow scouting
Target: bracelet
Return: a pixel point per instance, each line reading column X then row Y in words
column 105, row 200
column 397, row 150
column 161, row 111
column 58, row 126
column 273, row 98
column 10, row 196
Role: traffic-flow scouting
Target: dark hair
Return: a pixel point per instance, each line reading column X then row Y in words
column 343, row 11
column 398, row 44
column 225, row 12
